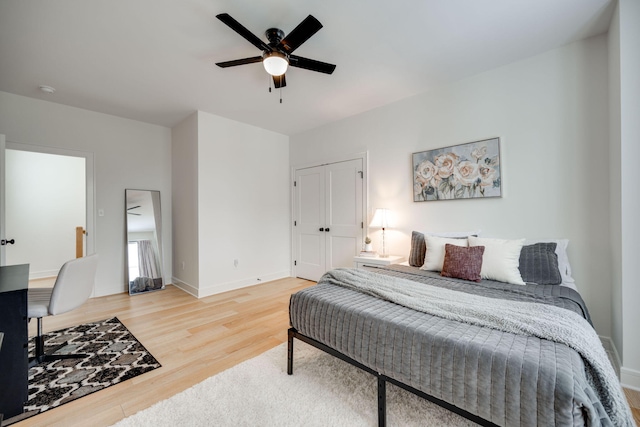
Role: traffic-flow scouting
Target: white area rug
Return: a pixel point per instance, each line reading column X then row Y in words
column 323, row 391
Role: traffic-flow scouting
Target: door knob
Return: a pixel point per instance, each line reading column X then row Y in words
column 326, row 229
column 321, row 229
column 7, row 242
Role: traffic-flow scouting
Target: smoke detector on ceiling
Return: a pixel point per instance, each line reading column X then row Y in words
column 47, row 89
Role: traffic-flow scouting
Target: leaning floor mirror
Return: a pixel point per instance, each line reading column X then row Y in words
column 144, row 241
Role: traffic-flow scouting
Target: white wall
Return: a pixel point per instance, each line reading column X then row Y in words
column 551, row 114
column 184, row 166
column 242, row 204
column 629, row 27
column 45, row 202
column 128, row 154
column 615, row 184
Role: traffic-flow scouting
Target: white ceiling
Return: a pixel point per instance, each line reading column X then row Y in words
column 153, row 60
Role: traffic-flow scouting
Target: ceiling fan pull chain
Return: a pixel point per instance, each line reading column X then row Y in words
column 280, row 94
column 269, row 84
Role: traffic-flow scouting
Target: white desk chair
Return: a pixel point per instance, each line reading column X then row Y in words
column 73, row 288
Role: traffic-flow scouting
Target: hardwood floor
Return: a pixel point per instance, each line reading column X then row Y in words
column 633, row 397
column 192, row 338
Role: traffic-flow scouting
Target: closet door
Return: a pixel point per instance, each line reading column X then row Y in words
column 343, row 218
column 328, row 217
column 309, row 231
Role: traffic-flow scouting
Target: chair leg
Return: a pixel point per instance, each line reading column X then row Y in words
column 39, row 340
column 41, row 357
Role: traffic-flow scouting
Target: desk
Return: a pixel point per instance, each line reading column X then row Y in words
column 14, row 362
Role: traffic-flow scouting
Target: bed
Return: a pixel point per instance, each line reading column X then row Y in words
column 390, row 322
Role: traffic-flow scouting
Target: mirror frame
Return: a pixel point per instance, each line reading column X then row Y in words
column 139, row 205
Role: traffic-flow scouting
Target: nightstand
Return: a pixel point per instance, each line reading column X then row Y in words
column 362, row 261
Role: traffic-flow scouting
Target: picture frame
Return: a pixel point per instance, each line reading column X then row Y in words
column 464, row 171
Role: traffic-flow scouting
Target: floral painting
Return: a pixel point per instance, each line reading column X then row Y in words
column 463, row 171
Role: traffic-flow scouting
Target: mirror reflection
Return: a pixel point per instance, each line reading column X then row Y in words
column 144, row 241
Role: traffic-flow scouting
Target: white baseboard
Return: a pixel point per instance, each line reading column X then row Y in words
column 607, row 343
column 191, row 290
column 630, row 378
column 229, row 286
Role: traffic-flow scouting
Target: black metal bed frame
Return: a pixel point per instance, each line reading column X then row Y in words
column 382, row 381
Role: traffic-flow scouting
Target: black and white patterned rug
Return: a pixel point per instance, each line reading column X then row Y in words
column 113, row 355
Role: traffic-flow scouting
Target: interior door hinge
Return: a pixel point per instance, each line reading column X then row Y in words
column 361, row 174
column 295, row 262
column 295, row 223
column 362, row 225
column 295, row 183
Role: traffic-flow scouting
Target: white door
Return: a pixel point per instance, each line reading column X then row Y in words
column 343, row 219
column 328, row 217
column 2, row 205
column 310, row 238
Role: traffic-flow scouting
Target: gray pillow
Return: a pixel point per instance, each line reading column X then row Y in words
column 418, row 249
column 419, row 246
column 539, row 264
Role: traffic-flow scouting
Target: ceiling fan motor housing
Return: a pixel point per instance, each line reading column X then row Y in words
column 274, row 35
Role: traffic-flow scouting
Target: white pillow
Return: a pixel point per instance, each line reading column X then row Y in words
column 454, row 234
column 500, row 260
column 434, row 257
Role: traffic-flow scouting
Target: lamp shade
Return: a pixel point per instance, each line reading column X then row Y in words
column 275, row 63
column 381, row 218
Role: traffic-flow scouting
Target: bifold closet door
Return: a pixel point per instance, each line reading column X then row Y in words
column 310, row 237
column 328, row 217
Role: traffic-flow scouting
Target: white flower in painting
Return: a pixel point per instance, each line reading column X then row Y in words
column 467, row 173
column 446, row 163
column 479, row 152
column 487, row 175
column 426, row 172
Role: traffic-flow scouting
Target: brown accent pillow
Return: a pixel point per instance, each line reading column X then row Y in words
column 462, row 262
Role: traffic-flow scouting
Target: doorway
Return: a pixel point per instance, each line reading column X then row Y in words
column 48, row 193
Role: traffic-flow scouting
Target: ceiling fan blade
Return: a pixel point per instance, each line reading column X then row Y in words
column 279, row 81
column 300, row 34
column 135, row 207
column 243, row 61
column 311, row 64
column 240, row 29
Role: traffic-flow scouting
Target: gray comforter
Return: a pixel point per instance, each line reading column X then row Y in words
column 505, row 377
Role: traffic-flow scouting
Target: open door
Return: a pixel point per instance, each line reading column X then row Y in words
column 2, row 204
column 45, row 238
column 45, row 200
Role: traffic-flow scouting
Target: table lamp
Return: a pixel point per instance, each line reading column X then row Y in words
column 381, row 220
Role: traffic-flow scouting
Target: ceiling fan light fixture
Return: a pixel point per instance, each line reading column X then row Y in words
column 275, row 63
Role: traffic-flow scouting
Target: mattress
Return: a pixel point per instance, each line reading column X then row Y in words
column 504, row 378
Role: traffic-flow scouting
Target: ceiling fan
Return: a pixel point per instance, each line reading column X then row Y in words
column 133, row 213
column 277, row 54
